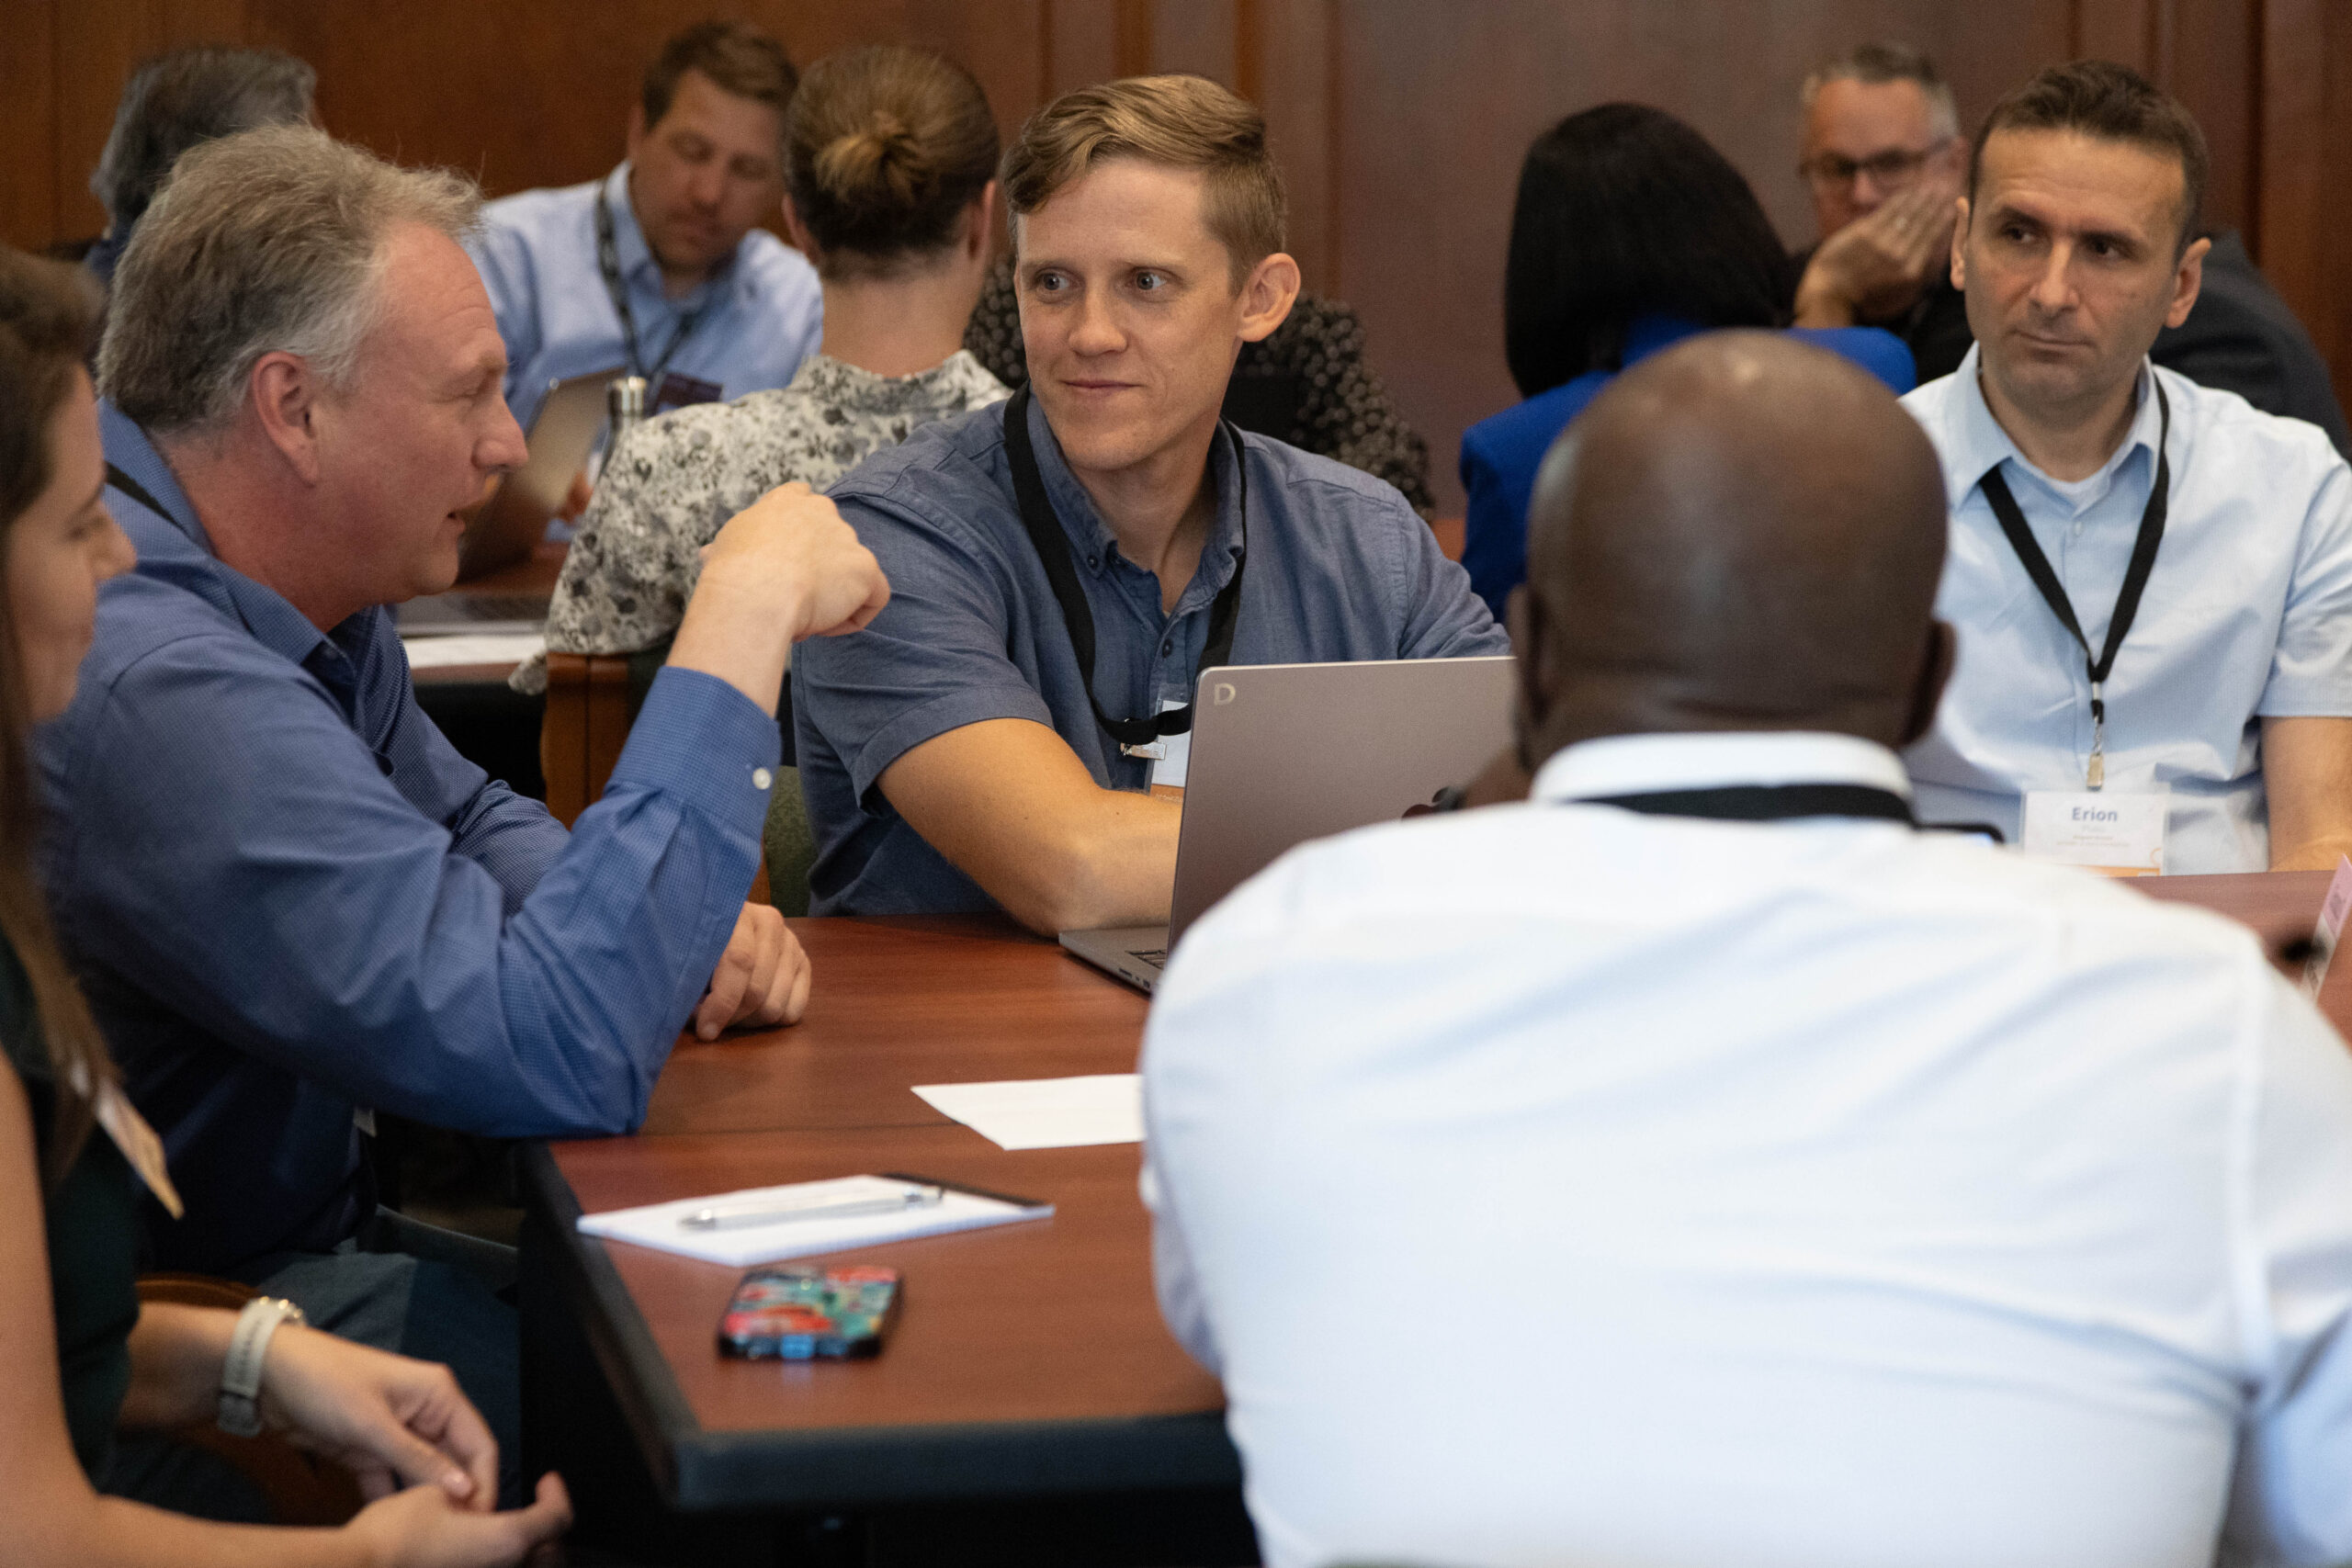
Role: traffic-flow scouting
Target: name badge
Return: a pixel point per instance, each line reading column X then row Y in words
column 2119, row 833
column 139, row 1146
column 1175, row 756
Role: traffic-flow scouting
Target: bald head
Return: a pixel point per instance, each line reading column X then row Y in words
column 1743, row 533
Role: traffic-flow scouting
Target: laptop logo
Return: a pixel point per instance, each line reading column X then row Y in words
column 1221, row 693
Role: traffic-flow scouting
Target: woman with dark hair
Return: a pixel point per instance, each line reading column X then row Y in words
column 94, row 1374
column 1631, row 233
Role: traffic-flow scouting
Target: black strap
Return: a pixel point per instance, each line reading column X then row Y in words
column 608, row 261
column 136, row 491
column 1045, row 535
column 2135, row 576
column 1763, row 803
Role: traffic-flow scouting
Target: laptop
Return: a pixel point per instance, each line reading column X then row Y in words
column 1283, row 753
column 507, row 526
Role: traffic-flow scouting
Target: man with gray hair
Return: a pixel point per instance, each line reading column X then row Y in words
column 1883, row 159
column 177, row 101
column 292, row 901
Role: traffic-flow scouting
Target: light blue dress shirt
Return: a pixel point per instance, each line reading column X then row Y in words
column 288, row 896
column 2247, row 616
column 1553, row 1184
column 763, row 312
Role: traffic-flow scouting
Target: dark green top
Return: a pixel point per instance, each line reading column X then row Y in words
column 93, row 1218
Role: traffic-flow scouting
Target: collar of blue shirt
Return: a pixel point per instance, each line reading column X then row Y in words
column 1979, row 443
column 276, row 624
column 1098, row 550
column 1633, row 764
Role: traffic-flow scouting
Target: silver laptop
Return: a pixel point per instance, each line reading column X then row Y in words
column 506, row 527
column 1283, row 753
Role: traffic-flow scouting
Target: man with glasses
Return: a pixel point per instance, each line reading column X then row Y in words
column 1884, row 159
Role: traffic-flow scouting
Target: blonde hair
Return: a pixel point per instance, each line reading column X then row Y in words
column 1182, row 122
column 885, row 147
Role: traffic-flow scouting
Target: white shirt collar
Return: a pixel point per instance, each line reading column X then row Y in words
column 1633, row 764
column 1978, row 441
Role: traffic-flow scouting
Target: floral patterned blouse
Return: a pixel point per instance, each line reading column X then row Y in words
column 676, row 479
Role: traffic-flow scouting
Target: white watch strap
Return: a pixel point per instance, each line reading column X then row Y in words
column 241, row 1369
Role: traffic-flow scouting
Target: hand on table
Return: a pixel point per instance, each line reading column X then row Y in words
column 1879, row 266
column 421, row 1528
column 761, row 978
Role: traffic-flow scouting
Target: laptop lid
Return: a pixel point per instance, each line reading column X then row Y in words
column 1283, row 753
column 515, row 518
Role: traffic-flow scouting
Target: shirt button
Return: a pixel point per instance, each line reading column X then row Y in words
column 762, row 778
column 1166, row 649
column 1093, row 563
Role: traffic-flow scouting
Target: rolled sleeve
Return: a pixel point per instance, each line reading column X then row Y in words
column 935, row 659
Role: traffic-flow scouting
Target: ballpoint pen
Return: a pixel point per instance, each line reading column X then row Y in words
column 721, row 1218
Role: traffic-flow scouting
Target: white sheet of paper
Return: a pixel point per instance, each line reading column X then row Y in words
column 656, row 1224
column 1045, row 1113
column 488, row 648
column 2101, row 827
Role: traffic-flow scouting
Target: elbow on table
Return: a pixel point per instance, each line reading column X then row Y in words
column 1065, row 884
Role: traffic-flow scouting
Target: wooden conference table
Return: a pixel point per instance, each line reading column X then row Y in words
column 1030, row 1359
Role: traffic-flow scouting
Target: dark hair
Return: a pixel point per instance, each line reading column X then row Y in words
column 738, row 58
column 175, row 101
column 2113, row 103
column 884, row 148
column 48, row 313
column 1625, row 209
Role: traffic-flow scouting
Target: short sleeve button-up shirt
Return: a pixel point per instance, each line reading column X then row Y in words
column 2247, row 616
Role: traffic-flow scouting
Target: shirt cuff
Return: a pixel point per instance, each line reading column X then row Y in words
column 700, row 739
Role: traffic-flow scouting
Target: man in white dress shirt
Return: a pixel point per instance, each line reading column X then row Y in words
column 2224, row 704
column 1588, row 1181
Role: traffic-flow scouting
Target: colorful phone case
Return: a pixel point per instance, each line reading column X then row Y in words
column 799, row 1313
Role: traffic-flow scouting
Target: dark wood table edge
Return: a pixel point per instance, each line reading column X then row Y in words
column 698, row 1470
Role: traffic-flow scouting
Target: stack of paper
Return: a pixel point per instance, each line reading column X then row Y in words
column 1045, row 1113
column 470, row 647
column 662, row 1225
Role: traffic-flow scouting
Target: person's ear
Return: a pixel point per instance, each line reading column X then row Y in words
column 1523, row 618
column 284, row 394
column 794, row 230
column 1935, row 670
column 1267, row 295
column 980, row 221
column 1959, row 247
column 2188, row 277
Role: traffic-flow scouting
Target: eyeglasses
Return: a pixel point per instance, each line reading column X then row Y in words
column 1888, row 171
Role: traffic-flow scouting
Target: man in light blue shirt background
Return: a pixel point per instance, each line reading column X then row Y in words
column 2231, row 690
column 689, row 293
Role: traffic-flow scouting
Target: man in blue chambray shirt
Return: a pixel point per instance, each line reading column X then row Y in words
column 955, row 754
column 292, row 902
column 692, row 293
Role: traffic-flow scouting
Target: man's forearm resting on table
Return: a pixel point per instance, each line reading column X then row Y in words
column 1011, row 805
column 2307, row 776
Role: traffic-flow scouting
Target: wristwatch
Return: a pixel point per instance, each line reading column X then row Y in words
column 240, row 1368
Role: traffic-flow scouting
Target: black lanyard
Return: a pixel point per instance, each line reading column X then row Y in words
column 1045, row 527
column 2135, row 578
column 1763, row 803
column 608, row 261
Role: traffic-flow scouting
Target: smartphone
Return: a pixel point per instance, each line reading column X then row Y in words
column 798, row 1313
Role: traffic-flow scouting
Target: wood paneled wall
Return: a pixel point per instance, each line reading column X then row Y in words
column 1400, row 122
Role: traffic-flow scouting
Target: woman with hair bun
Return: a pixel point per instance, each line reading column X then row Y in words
column 890, row 159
